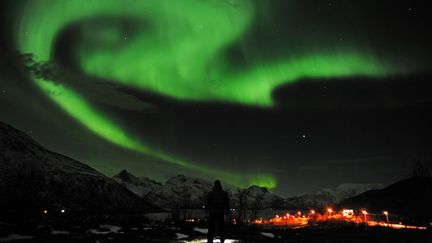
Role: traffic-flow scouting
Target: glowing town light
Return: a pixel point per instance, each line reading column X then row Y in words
column 365, row 213
column 386, row 215
column 348, row 213
column 312, row 211
column 45, row 211
column 330, row 211
column 299, row 213
column 62, row 211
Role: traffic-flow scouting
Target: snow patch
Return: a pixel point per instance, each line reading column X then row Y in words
column 180, row 236
column 270, row 235
column 201, row 230
column 106, row 229
column 12, row 237
column 59, row 232
column 174, row 228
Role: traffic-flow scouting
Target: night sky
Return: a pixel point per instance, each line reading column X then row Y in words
column 295, row 95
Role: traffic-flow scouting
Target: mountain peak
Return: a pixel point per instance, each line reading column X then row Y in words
column 258, row 188
column 329, row 196
column 126, row 176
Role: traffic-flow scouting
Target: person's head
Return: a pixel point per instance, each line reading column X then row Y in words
column 217, row 185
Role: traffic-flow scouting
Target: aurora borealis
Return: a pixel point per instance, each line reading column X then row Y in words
column 230, row 53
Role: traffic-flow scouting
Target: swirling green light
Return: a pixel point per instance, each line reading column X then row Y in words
column 179, row 52
column 99, row 124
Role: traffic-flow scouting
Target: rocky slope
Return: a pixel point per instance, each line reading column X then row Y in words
column 33, row 179
column 410, row 198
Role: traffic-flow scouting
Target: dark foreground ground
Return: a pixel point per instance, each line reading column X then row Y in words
column 192, row 233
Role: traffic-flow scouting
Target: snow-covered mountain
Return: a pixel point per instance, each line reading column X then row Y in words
column 187, row 192
column 143, row 187
column 330, row 196
column 255, row 197
column 33, row 179
column 177, row 192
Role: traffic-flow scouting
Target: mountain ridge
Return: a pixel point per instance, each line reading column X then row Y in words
column 51, row 181
column 194, row 190
column 409, row 197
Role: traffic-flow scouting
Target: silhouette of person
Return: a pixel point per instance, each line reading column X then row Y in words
column 217, row 204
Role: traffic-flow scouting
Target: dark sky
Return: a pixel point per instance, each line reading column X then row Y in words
column 301, row 95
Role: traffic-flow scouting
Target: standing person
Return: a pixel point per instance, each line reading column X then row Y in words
column 217, row 204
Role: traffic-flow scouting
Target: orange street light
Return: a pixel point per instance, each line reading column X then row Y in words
column 312, row 212
column 330, row 211
column 386, row 215
column 364, row 212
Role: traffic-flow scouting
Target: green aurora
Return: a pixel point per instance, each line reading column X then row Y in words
column 178, row 50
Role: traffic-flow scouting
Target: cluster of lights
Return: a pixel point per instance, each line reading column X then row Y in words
column 330, row 211
column 348, row 213
column 300, row 218
column 363, row 212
